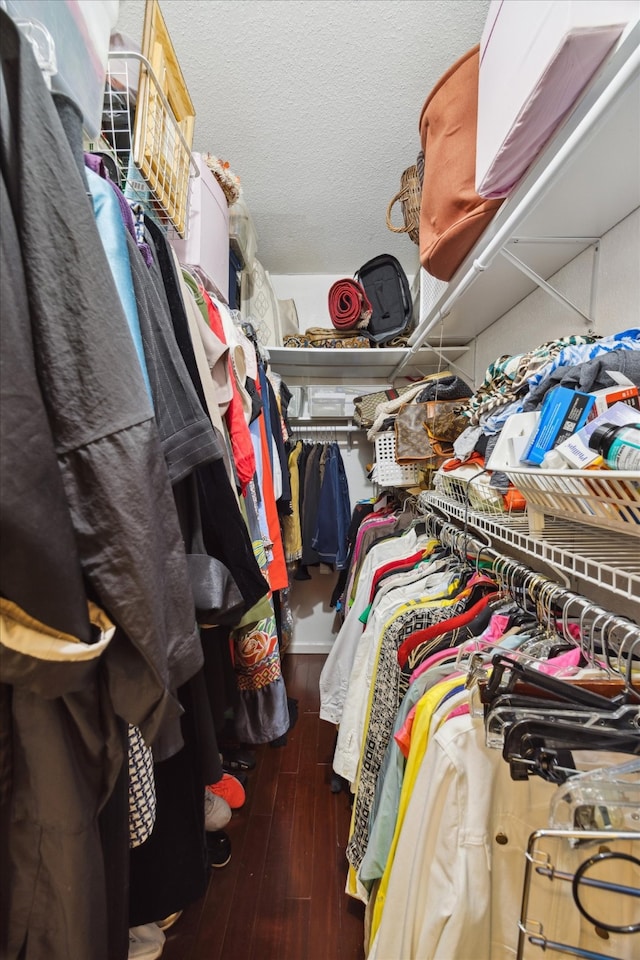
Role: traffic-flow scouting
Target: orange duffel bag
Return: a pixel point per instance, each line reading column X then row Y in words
column 452, row 214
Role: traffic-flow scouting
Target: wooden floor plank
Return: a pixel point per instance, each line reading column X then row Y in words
column 269, row 933
column 282, row 895
column 267, row 781
column 243, row 915
column 304, row 811
column 324, row 925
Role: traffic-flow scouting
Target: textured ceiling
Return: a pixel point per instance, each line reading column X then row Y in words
column 316, row 107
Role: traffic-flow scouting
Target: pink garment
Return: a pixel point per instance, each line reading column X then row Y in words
column 570, row 659
column 460, row 711
column 449, row 653
column 403, row 736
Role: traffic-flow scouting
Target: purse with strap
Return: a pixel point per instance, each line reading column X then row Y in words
column 410, row 196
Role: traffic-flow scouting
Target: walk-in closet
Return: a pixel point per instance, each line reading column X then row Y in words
column 319, row 479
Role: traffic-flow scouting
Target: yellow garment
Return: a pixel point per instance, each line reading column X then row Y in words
column 291, row 525
column 419, row 739
column 352, row 877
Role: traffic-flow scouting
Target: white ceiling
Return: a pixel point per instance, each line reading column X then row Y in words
column 315, row 105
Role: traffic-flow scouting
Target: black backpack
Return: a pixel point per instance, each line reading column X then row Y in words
column 387, row 288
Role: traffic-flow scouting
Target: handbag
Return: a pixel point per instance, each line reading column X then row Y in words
column 412, row 441
column 452, row 215
column 444, row 421
column 365, row 408
column 410, row 196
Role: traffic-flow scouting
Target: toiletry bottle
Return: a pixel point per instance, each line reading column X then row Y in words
column 618, row 445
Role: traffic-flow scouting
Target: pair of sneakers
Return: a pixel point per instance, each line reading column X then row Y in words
column 220, row 799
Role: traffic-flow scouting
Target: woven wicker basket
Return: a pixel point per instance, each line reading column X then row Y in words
column 410, row 195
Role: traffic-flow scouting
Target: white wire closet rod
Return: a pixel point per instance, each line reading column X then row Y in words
column 601, row 558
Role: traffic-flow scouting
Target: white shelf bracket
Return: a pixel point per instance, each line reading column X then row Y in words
column 546, row 286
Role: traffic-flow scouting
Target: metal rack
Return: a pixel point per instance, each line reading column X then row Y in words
column 598, row 558
column 618, row 636
column 145, row 140
column 542, row 934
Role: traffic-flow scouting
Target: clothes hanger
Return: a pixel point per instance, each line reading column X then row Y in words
column 510, row 709
column 605, row 798
column 543, row 747
column 509, row 675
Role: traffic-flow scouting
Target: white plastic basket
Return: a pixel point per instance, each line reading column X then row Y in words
column 386, row 471
column 474, row 493
column 601, row 498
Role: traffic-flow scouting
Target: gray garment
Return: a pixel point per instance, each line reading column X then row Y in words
column 188, row 438
column 588, row 376
column 465, row 444
column 92, row 409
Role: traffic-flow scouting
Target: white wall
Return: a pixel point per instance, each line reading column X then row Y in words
column 539, row 317
column 310, row 293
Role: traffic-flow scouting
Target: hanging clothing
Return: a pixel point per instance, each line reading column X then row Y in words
column 111, row 499
column 334, row 509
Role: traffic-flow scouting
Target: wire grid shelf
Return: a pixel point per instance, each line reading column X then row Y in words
column 387, row 471
column 601, row 498
column 475, row 492
column 602, row 558
column 152, row 155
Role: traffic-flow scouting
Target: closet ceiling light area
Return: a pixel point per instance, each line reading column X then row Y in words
column 316, row 107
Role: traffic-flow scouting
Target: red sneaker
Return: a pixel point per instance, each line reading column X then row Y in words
column 230, row 790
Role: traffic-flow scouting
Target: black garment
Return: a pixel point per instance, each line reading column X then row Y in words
column 162, row 255
column 224, row 530
column 170, row 869
column 284, row 502
column 312, row 486
column 188, row 438
column 256, row 402
column 74, row 391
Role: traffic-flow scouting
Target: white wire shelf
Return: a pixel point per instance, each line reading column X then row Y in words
column 149, row 145
column 357, row 364
column 602, row 558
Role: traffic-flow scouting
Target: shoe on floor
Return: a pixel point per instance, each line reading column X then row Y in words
column 217, row 811
column 146, row 942
column 230, row 789
column 241, row 775
column 219, row 848
column 237, row 759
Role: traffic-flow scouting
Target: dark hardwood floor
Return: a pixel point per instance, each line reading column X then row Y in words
column 282, row 895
